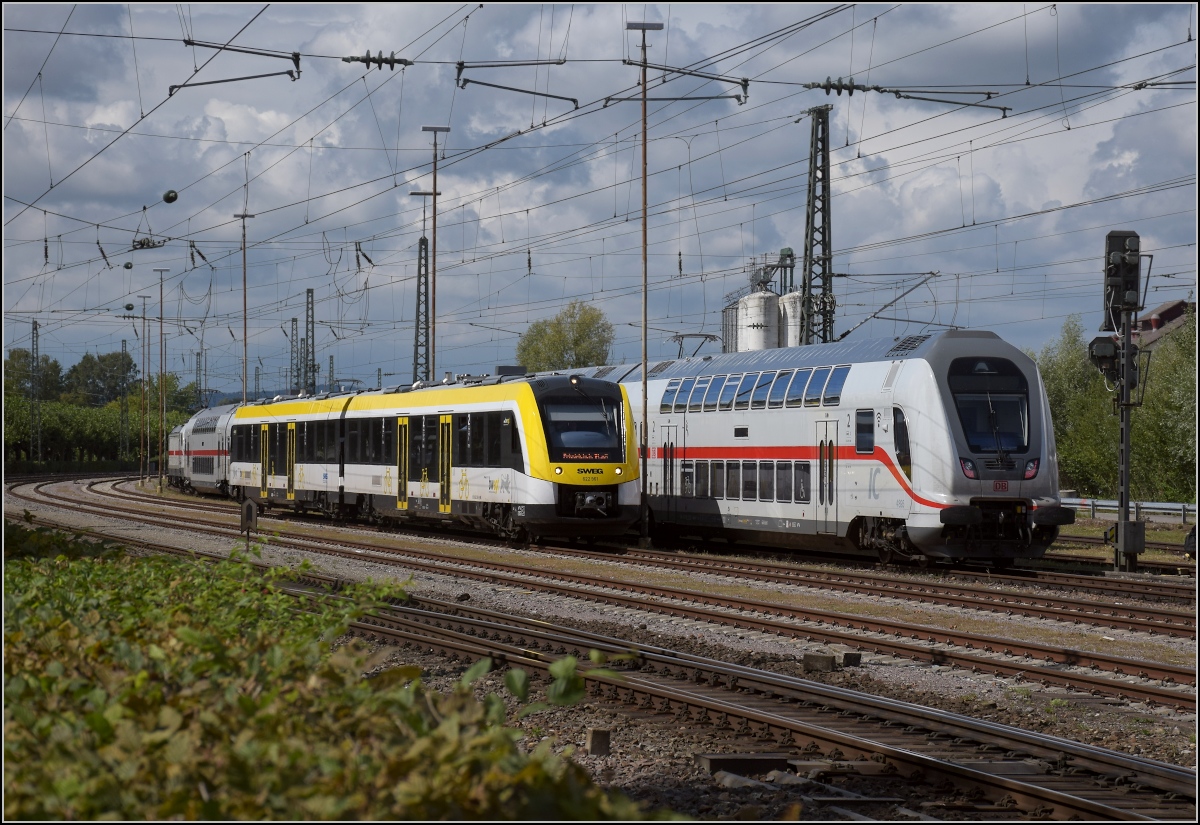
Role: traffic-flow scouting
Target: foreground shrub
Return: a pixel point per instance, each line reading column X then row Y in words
column 157, row 688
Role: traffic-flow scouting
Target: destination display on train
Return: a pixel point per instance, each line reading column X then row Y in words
column 588, row 455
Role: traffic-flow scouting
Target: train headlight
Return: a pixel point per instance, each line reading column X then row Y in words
column 968, row 467
column 1031, row 468
column 619, row 471
column 558, row 471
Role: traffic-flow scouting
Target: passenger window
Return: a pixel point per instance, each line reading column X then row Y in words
column 695, row 404
column 812, row 398
column 373, row 432
column 702, row 479
column 388, row 455
column 742, row 402
column 749, row 481
column 668, row 399
column 783, row 481
column 778, row 389
column 352, row 440
column 714, row 392
column 803, row 486
column 681, row 399
column 462, row 440
column 766, row 481
column 900, row 430
column 729, row 391
column 733, row 480
column 687, row 479
column 833, row 390
column 864, row 431
column 494, row 431
column 795, row 393
column 718, row 479
column 761, row 388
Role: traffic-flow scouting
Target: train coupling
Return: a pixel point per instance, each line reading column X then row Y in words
column 592, row 503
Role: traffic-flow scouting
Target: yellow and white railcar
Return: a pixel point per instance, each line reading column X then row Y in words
column 545, row 456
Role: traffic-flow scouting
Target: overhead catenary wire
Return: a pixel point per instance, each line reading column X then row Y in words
column 695, row 199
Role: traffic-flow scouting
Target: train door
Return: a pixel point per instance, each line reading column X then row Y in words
column 402, row 463
column 264, row 458
column 291, row 461
column 827, row 438
column 670, row 466
column 445, row 439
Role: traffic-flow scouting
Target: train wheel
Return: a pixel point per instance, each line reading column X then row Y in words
column 922, row 561
column 887, row 555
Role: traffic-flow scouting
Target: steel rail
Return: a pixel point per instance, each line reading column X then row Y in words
column 947, row 735
column 720, row 610
column 981, row 598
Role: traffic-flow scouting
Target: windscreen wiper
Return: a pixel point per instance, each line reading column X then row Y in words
column 1000, row 453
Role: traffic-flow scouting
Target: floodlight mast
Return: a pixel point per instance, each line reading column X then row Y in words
column 643, row 447
column 162, row 403
column 245, row 313
column 433, row 256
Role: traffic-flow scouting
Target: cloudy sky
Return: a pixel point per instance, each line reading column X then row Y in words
column 541, row 193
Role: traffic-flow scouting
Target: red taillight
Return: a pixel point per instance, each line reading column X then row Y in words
column 1031, row 468
column 968, row 467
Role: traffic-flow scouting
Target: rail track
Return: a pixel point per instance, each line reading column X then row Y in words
column 954, row 593
column 823, row 731
column 1112, row 588
column 1045, row 664
column 1016, row 773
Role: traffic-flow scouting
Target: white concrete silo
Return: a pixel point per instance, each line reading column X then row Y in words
column 758, row 321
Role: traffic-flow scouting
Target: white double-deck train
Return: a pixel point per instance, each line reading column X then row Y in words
column 524, row 456
column 930, row 446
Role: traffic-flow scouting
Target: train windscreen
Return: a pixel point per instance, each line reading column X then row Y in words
column 991, row 396
column 583, row 427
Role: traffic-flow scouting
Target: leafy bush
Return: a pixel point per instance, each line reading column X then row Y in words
column 157, row 688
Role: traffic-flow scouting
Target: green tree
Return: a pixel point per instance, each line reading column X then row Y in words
column 80, row 434
column 179, row 397
column 98, row 379
column 579, row 336
column 17, row 375
column 1164, row 428
column 1087, row 430
column 1084, row 429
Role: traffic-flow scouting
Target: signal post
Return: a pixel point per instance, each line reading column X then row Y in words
column 1117, row 361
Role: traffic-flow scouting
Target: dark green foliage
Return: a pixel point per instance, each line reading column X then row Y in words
column 1088, row 431
column 98, row 379
column 75, row 433
column 17, row 375
column 81, row 413
column 151, row 688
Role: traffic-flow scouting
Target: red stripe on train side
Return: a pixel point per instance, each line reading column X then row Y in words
column 795, row 453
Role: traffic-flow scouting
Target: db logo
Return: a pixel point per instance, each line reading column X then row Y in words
column 1000, row 486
